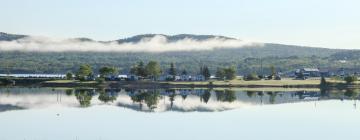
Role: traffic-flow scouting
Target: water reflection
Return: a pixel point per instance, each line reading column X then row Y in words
column 161, row 100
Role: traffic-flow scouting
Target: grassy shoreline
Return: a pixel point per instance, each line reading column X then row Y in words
column 284, row 83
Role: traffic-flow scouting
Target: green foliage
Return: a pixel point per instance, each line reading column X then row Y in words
column 252, row 76
column 273, row 70
column 107, row 70
column 245, row 59
column 172, row 70
column 69, row 92
column 226, row 73
column 350, row 79
column 205, row 72
column 206, row 96
column 220, row 73
column 69, row 76
column 337, row 78
column 150, row 97
column 184, row 72
column 106, row 97
column 84, row 97
column 230, row 73
column 139, row 69
column 100, row 80
column 153, row 69
column 225, row 95
column 83, row 72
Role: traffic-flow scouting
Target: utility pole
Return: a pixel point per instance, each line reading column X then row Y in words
column 261, row 66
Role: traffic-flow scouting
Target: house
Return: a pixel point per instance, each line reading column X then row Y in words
column 341, row 72
column 132, row 77
column 91, row 77
column 122, row 77
column 185, row 77
column 308, row 72
column 167, row 78
column 198, row 78
column 177, row 78
column 324, row 72
column 111, row 77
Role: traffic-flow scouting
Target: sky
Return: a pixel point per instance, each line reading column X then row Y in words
column 316, row 23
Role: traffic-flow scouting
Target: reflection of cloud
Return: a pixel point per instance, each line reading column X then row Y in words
column 158, row 43
column 7, row 107
column 192, row 103
column 46, row 100
column 40, row 100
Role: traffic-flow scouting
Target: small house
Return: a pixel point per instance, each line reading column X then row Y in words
column 132, row 77
column 198, row 78
column 185, row 78
column 166, row 78
column 308, row 72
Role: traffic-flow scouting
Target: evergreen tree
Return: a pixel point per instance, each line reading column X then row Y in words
column 172, row 70
column 323, row 83
column 205, row 72
column 141, row 69
column 184, row 72
column 220, row 74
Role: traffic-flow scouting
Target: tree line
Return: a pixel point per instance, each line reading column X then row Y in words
column 151, row 70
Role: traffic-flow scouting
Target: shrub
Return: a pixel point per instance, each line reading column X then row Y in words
column 252, row 76
column 350, row 79
column 100, row 80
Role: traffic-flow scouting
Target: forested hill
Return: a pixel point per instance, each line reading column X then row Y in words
column 10, row 37
column 246, row 59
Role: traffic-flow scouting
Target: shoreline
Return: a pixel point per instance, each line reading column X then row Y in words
column 182, row 84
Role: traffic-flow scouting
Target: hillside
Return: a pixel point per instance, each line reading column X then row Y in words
column 246, row 59
column 10, row 37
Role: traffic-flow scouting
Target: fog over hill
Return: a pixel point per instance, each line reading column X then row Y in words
column 33, row 54
column 139, row 43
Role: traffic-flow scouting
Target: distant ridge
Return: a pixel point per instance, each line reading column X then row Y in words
column 133, row 39
column 172, row 38
column 10, row 37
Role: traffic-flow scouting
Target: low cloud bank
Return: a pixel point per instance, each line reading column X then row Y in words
column 157, row 43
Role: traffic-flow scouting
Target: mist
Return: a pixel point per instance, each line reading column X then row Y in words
column 158, row 43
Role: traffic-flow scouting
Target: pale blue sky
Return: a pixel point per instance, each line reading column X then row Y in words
column 318, row 23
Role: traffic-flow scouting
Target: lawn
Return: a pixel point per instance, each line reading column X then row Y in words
column 259, row 82
column 69, row 81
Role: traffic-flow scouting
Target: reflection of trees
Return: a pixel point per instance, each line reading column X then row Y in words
column 84, row 97
column 272, row 96
column 300, row 94
column 206, row 96
column 261, row 94
column 250, row 94
column 69, row 92
column 352, row 93
column 324, row 92
column 137, row 97
column 172, row 99
column 151, row 98
column 183, row 96
column 225, row 95
column 107, row 95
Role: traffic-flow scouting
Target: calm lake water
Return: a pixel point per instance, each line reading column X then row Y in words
column 177, row 114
